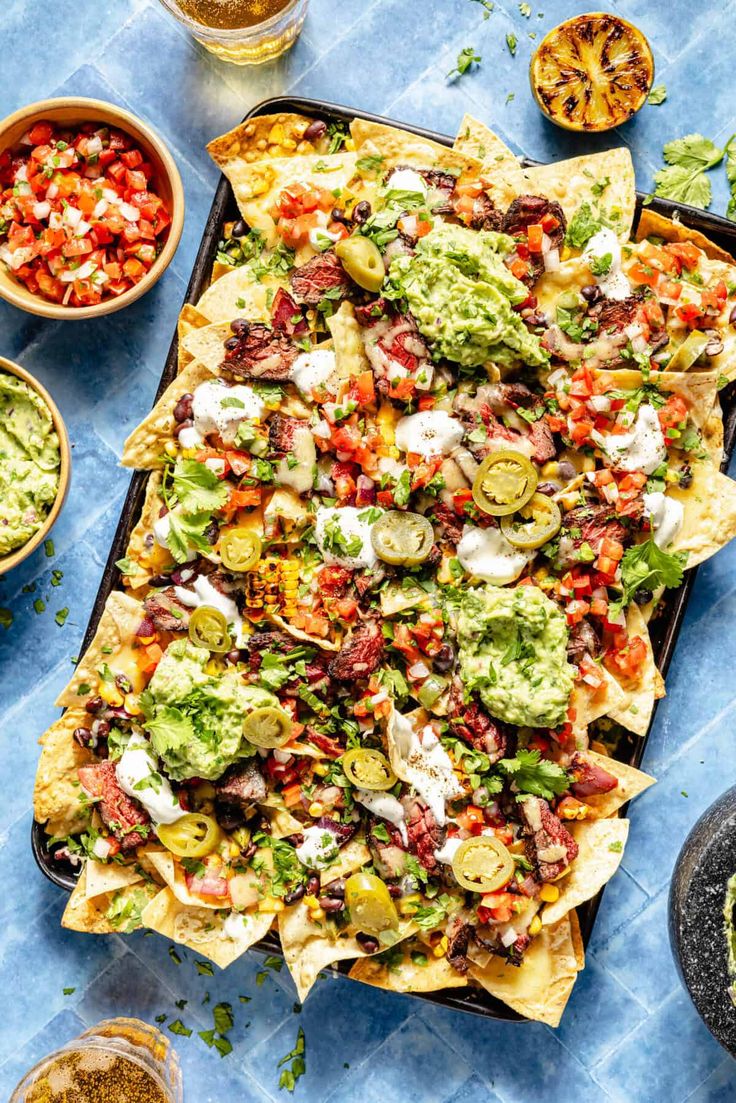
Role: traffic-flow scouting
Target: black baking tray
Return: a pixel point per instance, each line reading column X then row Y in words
column 664, row 629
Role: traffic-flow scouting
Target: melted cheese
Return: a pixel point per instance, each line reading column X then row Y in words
column 314, row 369
column 487, row 554
column 429, row 433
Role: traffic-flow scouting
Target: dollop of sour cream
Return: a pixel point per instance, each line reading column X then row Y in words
column 343, row 535
column 204, row 593
column 614, row 283
column 426, row 765
column 487, row 554
column 429, row 433
column 448, row 850
column 642, row 448
column 219, row 409
column 139, row 777
column 407, row 180
column 385, row 806
column 314, row 369
column 665, row 515
column 319, row 849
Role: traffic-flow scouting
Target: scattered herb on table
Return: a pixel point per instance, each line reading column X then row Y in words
column 684, row 179
column 61, row 616
column 177, row 1027
column 657, row 95
column 731, row 176
column 487, row 5
column 465, row 61
column 512, row 42
column 48, row 547
column 6, row 618
column 291, row 1073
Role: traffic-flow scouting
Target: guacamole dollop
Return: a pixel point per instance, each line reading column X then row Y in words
column 461, row 295
column 513, row 652
column 194, row 719
column 29, row 462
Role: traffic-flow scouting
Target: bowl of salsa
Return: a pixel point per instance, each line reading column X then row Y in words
column 91, row 208
column 35, row 464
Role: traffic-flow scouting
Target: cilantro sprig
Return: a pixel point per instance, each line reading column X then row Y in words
column 466, row 59
column 535, row 775
column 648, row 567
column 684, row 179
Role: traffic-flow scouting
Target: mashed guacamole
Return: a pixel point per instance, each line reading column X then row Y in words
column 29, row 462
column 513, row 652
column 461, row 294
column 194, row 719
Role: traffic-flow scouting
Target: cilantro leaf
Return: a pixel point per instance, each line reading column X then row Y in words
column 169, row 728
column 731, row 176
column 684, row 180
column 647, row 566
column 465, row 61
column 198, row 488
column 583, row 226
column 657, row 95
column 432, row 915
column 187, row 531
column 536, row 775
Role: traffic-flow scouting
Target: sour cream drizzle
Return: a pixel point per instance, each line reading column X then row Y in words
column 426, row 765
column 614, row 284
column 642, row 448
column 429, row 433
column 385, row 806
column 487, row 554
column 354, row 528
column 665, row 516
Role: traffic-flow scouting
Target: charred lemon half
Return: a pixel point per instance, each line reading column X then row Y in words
column 592, row 72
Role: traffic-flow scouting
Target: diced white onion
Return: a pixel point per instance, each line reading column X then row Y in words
column 41, row 210
column 552, row 260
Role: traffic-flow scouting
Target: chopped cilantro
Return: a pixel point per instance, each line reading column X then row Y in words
column 657, row 95
column 177, row 1027
column 535, row 775
column 465, row 61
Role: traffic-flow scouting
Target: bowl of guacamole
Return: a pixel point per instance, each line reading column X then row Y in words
column 34, row 464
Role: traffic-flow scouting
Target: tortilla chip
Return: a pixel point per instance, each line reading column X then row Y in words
column 573, row 274
column 144, row 447
column 407, row 976
column 652, row 224
column 262, row 138
column 89, row 915
column 172, row 875
column 309, row 947
column 636, row 713
column 395, row 598
column 699, row 390
column 590, row 704
column 110, row 644
column 285, row 515
column 399, row 147
column 189, row 319
column 572, row 182
column 347, row 340
column 202, row 930
column 476, row 140
column 280, row 820
column 352, row 857
column 238, row 294
column 149, row 561
column 258, row 184
column 631, row 782
column 540, row 987
column 104, row 877
column 710, row 514
column 298, row 634
column 601, row 844
column 56, row 790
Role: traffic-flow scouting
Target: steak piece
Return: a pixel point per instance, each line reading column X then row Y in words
column 241, row 785
column 471, row 723
column 286, row 317
column 282, row 432
column 526, row 210
column 257, row 352
column 583, row 640
column 485, row 215
column 360, row 654
column 459, row 934
column 543, row 443
column 589, row 779
column 120, row 814
column 425, row 834
column 594, row 523
column 549, row 845
column 166, row 611
column 369, row 313
column 321, row 275
column 442, row 190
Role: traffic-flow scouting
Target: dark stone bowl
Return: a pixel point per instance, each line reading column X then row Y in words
column 697, row 896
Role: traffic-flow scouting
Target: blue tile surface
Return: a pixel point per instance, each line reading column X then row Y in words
column 630, row 1033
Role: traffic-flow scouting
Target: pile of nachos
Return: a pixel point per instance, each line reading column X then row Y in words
column 445, row 431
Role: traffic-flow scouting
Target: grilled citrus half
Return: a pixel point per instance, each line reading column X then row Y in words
column 593, row 72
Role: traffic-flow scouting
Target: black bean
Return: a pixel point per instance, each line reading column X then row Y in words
column 123, row 683
column 312, row 884
column 732, row 317
column 183, row 408
column 338, row 215
column 316, row 129
column 566, row 471
column 239, row 229
column 643, row 596
column 685, row 477
column 160, row 580
column 212, row 533
column 101, row 728
column 369, row 944
column 232, row 343
column 294, row 895
column 336, row 888
column 331, row 904
column 240, row 326
column 95, row 704
column 591, row 292
column 361, row 211
column 82, row 736
column 233, row 656
column 395, row 890
column 444, row 660
column 547, row 488
column 188, row 424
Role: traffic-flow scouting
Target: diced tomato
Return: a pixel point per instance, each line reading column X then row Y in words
column 132, row 158
column 40, row 134
column 549, row 223
column 535, row 237
column 690, row 314
column 685, row 253
column 673, row 412
column 628, row 660
column 642, row 273
column 519, row 268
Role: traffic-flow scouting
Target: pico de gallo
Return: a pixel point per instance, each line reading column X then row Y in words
column 80, row 220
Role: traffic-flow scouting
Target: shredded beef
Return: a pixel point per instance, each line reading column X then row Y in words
column 543, row 443
column 119, row 812
column 471, row 723
column 369, row 313
column 485, row 215
column 256, row 352
column 320, row 275
column 166, row 611
column 360, row 655
column 526, row 210
column 449, row 522
column 549, row 845
column 589, row 778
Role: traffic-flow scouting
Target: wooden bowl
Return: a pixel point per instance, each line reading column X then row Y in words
column 7, row 562
column 72, row 110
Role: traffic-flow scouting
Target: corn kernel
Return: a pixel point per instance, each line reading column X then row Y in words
column 110, row 693
column 535, row 926
column 671, row 476
column 551, row 469
column 588, row 463
column 549, row 893
column 441, row 948
column 270, row 904
column 234, row 850
column 316, row 809
column 131, row 704
column 189, row 453
column 171, row 448
column 312, row 902
column 214, row 666
column 409, row 905
column 321, row 769
column 316, row 914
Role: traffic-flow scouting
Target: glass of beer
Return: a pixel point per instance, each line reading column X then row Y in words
column 117, row 1061
column 245, row 32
